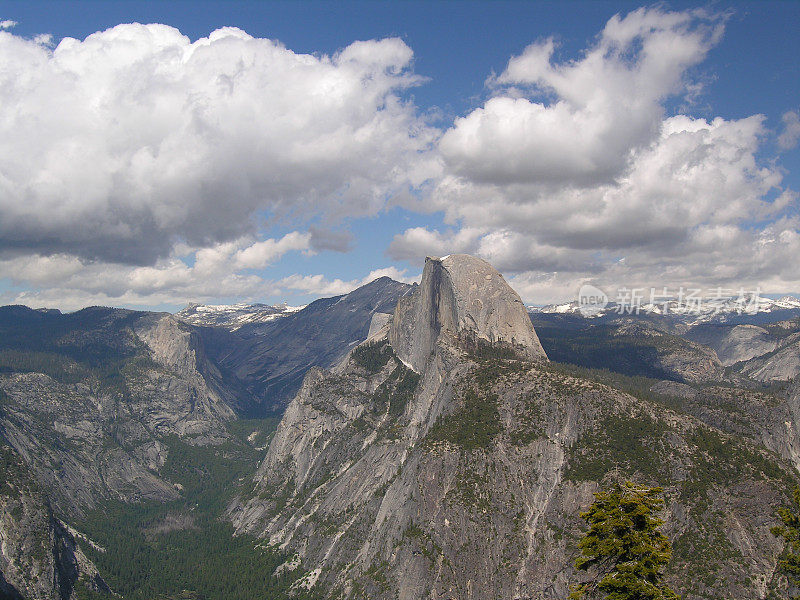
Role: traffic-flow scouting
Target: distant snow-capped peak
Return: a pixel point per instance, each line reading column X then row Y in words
column 707, row 309
column 234, row 316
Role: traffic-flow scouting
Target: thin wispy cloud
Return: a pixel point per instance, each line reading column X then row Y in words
column 791, row 130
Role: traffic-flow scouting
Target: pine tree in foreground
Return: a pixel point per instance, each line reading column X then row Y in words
column 790, row 531
column 623, row 551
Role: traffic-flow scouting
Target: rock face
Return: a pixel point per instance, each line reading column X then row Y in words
column 668, row 353
column 267, row 361
column 734, row 344
column 445, row 458
column 461, row 296
column 92, row 397
column 783, row 364
column 195, row 400
column 40, row 558
column 691, row 362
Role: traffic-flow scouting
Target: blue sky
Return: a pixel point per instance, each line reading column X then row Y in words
column 450, row 188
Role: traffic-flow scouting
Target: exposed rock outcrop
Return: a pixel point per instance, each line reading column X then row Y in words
column 466, row 299
column 94, row 395
column 734, row 343
column 195, row 400
column 783, row 364
column 40, row 557
column 446, row 458
column 669, row 353
column 691, row 362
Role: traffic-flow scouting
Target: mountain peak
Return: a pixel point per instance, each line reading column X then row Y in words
column 466, row 299
column 233, row 316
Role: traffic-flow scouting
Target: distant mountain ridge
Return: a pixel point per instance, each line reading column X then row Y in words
column 269, row 359
column 233, row 316
column 721, row 309
column 445, row 457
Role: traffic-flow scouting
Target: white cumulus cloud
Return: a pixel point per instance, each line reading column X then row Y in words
column 416, row 243
column 228, row 270
column 573, row 172
column 592, row 111
column 200, row 274
column 122, row 145
column 791, row 130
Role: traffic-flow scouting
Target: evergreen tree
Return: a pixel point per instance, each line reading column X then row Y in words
column 623, row 550
column 790, row 531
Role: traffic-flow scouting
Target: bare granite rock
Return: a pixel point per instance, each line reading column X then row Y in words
column 461, row 296
column 692, row 362
column 430, row 465
column 40, row 557
column 734, row 343
column 783, row 364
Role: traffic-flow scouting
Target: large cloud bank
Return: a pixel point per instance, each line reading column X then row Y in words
column 573, row 171
column 139, row 167
column 123, row 145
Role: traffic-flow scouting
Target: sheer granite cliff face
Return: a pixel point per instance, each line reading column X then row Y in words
column 446, row 458
column 461, row 296
column 782, row 364
column 40, row 557
column 96, row 426
column 268, row 361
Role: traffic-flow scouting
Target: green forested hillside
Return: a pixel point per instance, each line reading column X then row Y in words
column 184, row 549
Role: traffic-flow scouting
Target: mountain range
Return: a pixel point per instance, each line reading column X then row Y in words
column 400, row 441
column 233, row 316
column 720, row 309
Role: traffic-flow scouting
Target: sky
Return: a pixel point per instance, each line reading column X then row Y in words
column 154, row 154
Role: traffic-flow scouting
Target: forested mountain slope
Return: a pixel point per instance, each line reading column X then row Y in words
column 446, row 458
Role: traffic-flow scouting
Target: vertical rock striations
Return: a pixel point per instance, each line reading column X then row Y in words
column 464, row 299
column 40, row 558
column 446, row 458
